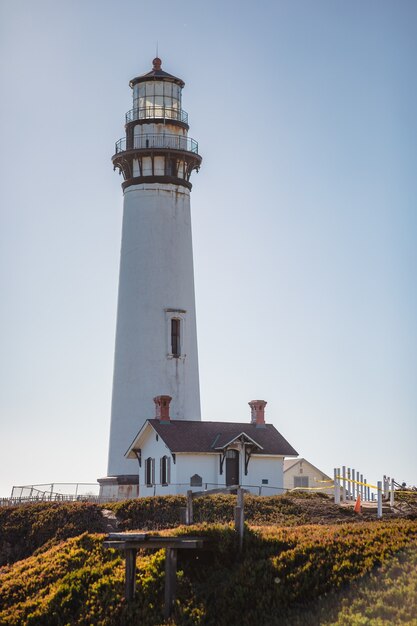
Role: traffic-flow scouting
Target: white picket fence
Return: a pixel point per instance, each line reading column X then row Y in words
column 349, row 484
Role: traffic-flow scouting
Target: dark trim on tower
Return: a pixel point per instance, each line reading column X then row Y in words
column 161, row 75
column 124, row 162
column 164, row 180
column 157, row 120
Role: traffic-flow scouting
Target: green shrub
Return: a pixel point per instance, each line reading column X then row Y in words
column 159, row 512
column 25, row 528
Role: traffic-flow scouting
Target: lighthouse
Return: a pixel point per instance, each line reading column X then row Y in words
column 156, row 337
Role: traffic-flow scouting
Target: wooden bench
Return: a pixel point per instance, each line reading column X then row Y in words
column 130, row 543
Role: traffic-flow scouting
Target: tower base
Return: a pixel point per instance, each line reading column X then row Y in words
column 119, row 487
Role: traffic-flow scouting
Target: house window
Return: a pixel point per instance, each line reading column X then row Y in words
column 165, row 470
column 300, row 481
column 149, row 471
column 265, row 481
column 175, row 337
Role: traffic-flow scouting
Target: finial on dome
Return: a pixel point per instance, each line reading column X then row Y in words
column 156, row 63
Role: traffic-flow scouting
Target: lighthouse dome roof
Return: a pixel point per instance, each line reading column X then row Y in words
column 156, row 73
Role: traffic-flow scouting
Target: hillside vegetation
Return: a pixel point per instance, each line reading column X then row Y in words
column 25, row 528
column 161, row 512
column 322, row 573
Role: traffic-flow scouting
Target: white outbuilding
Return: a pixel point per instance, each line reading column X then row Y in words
column 301, row 474
column 176, row 455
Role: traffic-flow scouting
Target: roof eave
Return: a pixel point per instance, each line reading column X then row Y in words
column 130, row 454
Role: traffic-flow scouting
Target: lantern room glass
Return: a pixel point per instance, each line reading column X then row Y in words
column 157, row 98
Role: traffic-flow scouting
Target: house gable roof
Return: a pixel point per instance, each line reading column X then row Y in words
column 289, row 463
column 220, row 443
column 204, row 437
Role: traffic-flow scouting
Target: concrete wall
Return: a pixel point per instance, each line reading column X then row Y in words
column 156, row 279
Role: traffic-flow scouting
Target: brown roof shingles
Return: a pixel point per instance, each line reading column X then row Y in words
column 190, row 436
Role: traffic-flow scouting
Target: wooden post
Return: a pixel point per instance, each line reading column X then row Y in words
column 336, row 486
column 130, row 574
column 170, row 580
column 391, row 495
column 189, row 511
column 361, row 488
column 379, row 483
column 344, row 484
column 240, row 515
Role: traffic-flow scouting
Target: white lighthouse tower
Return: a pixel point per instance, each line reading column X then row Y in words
column 156, row 339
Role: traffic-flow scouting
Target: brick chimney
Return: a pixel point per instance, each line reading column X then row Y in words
column 258, row 412
column 162, row 409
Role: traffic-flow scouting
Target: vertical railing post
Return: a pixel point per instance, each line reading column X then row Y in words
column 354, row 489
column 344, row 483
column 336, row 486
column 189, row 509
column 361, row 489
column 391, row 498
column 379, row 484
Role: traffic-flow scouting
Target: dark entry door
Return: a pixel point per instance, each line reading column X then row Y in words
column 232, row 467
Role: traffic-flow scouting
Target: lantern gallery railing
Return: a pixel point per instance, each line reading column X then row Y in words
column 163, row 141
column 157, row 112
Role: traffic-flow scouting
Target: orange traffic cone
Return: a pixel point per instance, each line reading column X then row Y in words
column 357, row 507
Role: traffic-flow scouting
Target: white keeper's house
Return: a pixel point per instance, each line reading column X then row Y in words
column 174, row 456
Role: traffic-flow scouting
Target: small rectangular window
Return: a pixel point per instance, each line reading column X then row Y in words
column 175, row 337
column 300, row 481
column 265, row 481
column 170, row 167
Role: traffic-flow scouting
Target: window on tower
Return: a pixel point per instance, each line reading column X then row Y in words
column 176, row 330
column 170, row 167
column 175, row 337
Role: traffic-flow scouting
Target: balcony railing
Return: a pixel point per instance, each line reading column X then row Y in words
column 164, row 141
column 157, row 112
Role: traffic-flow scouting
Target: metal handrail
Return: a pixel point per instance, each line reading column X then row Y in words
column 157, row 112
column 164, row 141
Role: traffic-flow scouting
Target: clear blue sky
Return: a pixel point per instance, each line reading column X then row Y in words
column 304, row 221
